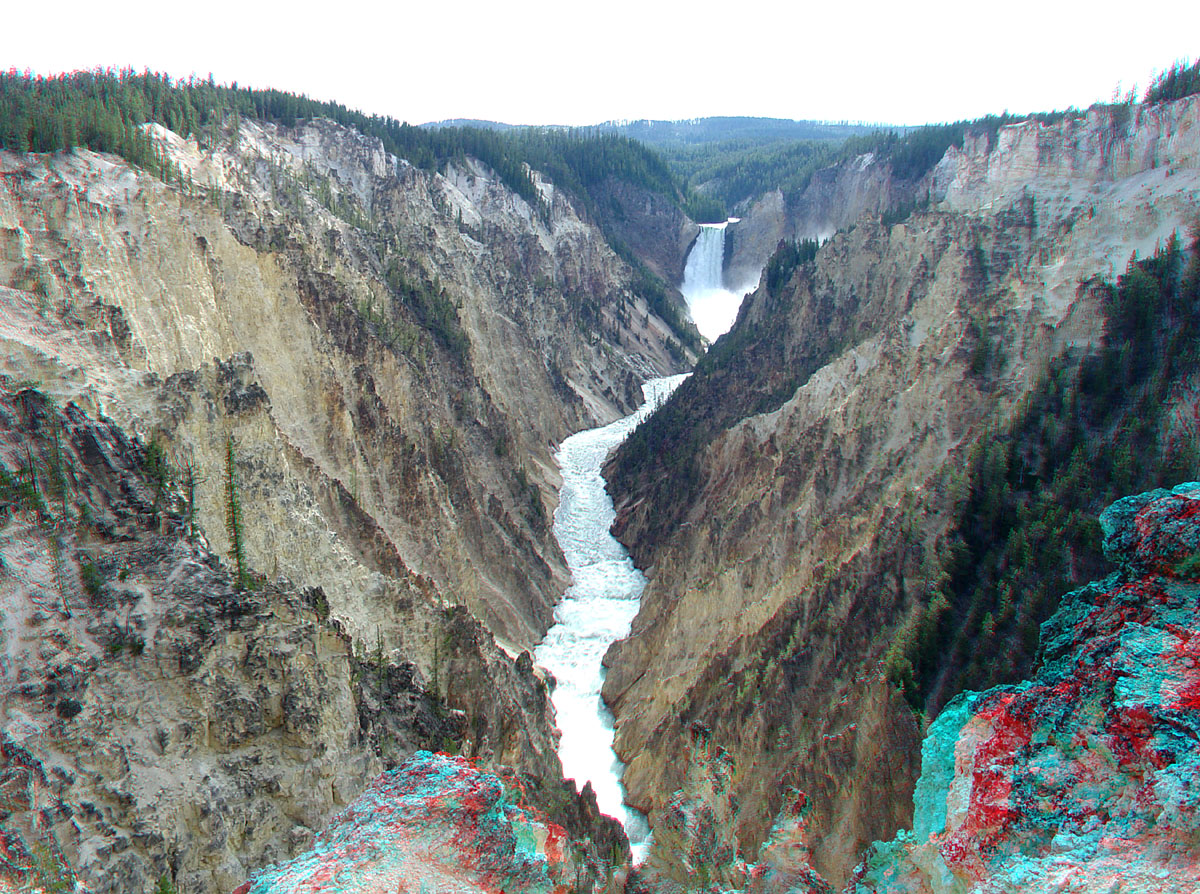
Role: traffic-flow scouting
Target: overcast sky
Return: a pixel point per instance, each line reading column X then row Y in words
column 540, row 62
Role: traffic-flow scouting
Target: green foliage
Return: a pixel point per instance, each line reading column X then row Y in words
column 190, row 477
column 1096, row 427
column 1176, row 82
column 787, row 257
column 90, row 575
column 705, row 208
column 157, row 467
column 736, row 170
column 233, row 519
column 432, row 307
column 165, row 885
column 19, row 490
column 51, row 873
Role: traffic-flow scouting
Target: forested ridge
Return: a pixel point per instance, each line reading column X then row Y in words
column 106, row 110
column 1100, row 424
column 760, row 159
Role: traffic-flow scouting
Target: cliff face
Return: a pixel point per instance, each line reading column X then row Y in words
column 656, row 229
column 1083, row 777
column 419, row 354
column 821, row 471
column 835, row 198
column 1065, row 163
column 384, row 358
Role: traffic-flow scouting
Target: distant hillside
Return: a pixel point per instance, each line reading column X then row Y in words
column 479, row 123
column 696, row 131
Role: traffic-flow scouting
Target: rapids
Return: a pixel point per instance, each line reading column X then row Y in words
column 597, row 609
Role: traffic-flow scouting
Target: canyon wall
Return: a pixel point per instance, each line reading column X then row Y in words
column 790, row 502
column 378, row 361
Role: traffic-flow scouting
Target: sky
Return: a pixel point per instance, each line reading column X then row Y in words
column 540, row 62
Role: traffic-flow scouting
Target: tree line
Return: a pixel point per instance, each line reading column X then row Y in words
column 1099, row 425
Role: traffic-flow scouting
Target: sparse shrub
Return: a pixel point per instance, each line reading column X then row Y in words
column 233, row 520
column 91, row 578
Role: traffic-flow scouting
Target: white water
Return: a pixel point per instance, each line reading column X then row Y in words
column 713, row 307
column 596, row 610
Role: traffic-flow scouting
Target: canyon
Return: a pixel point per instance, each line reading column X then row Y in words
column 377, row 363
column 793, row 503
column 280, row 433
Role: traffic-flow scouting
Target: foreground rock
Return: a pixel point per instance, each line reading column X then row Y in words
column 1086, row 778
column 434, row 824
column 163, row 720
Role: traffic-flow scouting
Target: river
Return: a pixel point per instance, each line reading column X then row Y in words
column 597, row 609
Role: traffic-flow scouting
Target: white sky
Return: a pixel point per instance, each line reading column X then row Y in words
column 541, row 62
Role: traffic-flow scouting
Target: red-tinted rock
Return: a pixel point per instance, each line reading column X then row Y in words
column 434, row 824
column 1087, row 778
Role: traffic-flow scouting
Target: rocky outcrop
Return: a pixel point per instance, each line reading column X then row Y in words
column 433, row 824
column 1083, row 778
column 818, row 453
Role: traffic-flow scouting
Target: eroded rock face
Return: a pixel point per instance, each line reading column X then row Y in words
column 831, row 432
column 388, row 343
column 383, row 358
column 1070, row 165
column 162, row 720
column 1085, row 777
column 433, row 824
column 158, row 721
column 695, row 849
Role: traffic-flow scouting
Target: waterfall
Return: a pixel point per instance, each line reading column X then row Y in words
column 704, row 262
column 712, row 305
column 596, row 610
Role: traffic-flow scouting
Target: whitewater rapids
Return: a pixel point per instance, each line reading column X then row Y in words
column 597, row 609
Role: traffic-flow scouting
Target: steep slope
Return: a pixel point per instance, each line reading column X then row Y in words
column 1082, row 778
column 382, row 359
column 164, row 719
column 419, row 353
column 818, row 458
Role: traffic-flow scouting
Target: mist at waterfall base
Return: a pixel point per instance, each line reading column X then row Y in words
column 713, row 307
column 596, row 610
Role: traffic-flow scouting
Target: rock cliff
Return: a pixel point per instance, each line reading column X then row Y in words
column 817, row 456
column 1083, row 778
column 163, row 719
column 420, row 353
column 381, row 359
column 1061, row 159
